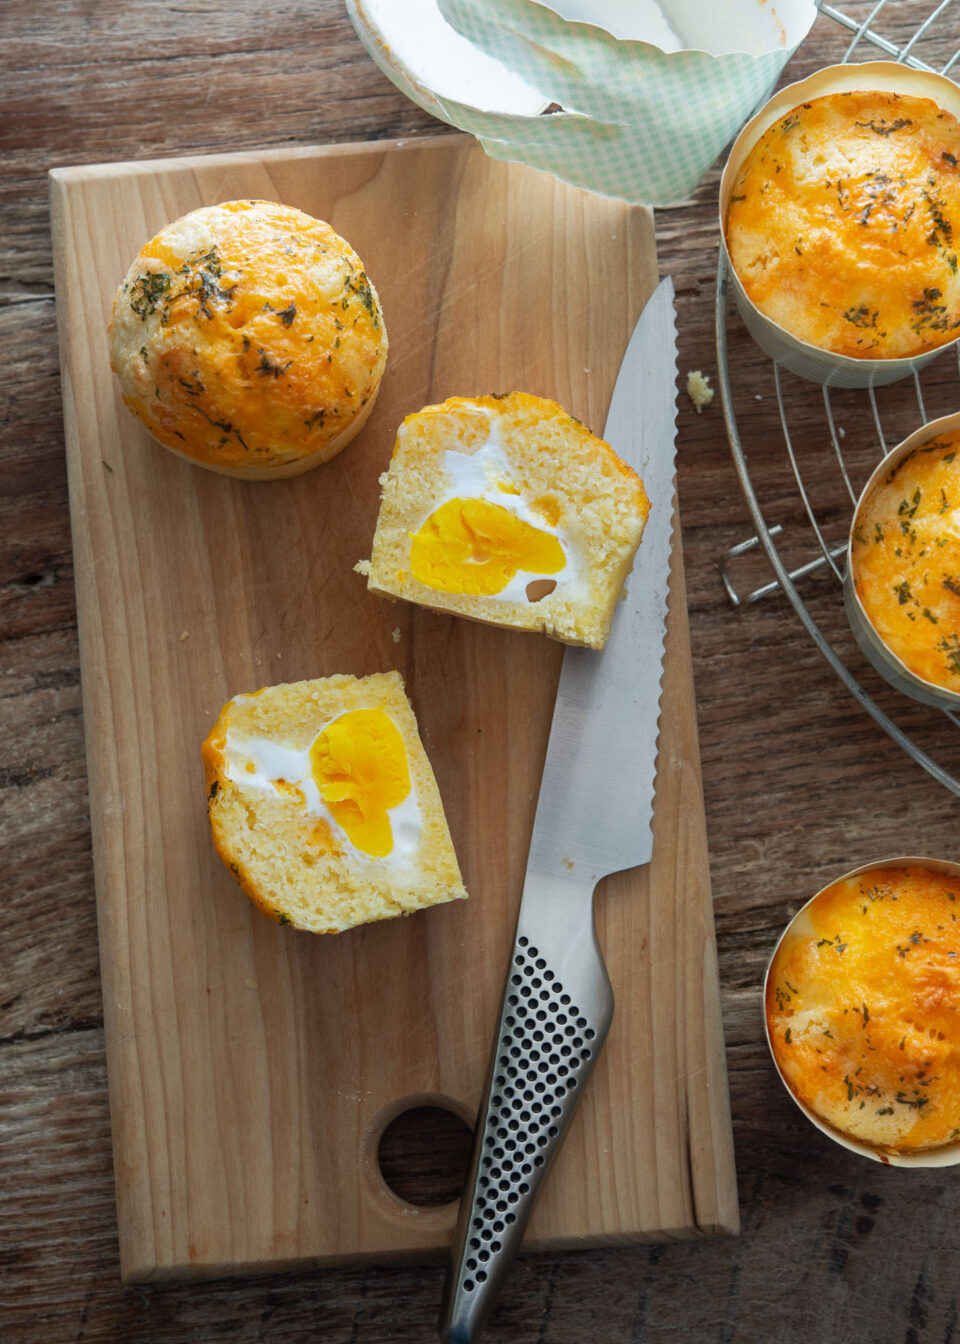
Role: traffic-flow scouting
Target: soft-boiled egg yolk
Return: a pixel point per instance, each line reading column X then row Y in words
column 359, row 765
column 474, row 546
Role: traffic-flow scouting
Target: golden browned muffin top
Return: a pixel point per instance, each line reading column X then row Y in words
column 844, row 224
column 906, row 560
column 863, row 1007
column 247, row 335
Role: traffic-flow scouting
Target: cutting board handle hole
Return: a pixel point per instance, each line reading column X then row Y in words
column 423, row 1155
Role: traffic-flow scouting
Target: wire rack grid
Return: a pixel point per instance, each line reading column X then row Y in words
column 826, row 551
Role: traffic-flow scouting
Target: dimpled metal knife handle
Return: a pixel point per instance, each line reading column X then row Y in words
column 555, row 1016
column 593, row 817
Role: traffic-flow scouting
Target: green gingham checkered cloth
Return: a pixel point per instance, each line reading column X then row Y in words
column 638, row 124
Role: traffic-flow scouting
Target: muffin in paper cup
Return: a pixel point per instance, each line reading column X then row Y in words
column 901, row 588
column 859, row 1001
column 888, row 263
column 646, row 103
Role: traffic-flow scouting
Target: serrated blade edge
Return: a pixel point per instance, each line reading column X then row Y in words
column 596, row 796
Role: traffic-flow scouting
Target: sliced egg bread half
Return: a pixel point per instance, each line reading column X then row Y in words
column 506, row 509
column 324, row 806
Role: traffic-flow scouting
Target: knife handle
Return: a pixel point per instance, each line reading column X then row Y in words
column 552, row 1026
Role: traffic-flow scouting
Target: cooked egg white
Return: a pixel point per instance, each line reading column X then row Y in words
column 353, row 777
column 482, row 537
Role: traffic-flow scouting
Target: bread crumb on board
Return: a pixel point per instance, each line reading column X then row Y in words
column 395, row 636
column 362, row 567
column 698, row 389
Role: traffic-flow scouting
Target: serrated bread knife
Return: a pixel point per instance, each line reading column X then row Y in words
column 593, row 818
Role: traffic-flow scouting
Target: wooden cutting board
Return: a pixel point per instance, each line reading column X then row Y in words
column 253, row 1068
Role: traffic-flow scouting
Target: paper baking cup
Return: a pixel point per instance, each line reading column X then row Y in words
column 809, row 361
column 883, row 659
column 433, row 65
column 947, row 1156
column 639, row 122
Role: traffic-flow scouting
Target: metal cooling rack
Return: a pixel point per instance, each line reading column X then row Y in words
column 826, row 552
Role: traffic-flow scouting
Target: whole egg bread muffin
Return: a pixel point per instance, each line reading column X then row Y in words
column 905, row 557
column 323, row 804
column 506, row 509
column 249, row 339
column 863, row 1008
column 843, row 224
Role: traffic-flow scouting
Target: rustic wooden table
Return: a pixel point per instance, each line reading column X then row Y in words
column 800, row 784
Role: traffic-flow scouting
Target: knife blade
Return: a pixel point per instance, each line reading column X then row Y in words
column 593, row 818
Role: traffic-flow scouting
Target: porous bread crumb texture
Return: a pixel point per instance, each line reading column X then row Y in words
column 844, row 222
column 863, row 1008
column 558, row 468
column 698, row 389
column 288, row 864
column 248, row 338
column 906, row 560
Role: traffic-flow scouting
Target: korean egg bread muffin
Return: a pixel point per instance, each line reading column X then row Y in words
column 844, row 224
column 249, row 339
column 323, row 804
column 863, row 1008
column 905, row 557
column 506, row 509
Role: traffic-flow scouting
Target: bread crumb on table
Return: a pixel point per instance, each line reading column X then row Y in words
column 362, row 567
column 184, row 634
column 395, row 636
column 698, row 389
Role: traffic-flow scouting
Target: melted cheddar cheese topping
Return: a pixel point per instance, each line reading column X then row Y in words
column 906, row 560
column 863, row 1007
column 248, row 335
column 843, row 224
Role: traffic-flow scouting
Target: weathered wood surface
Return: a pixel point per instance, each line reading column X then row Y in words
column 799, row 783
